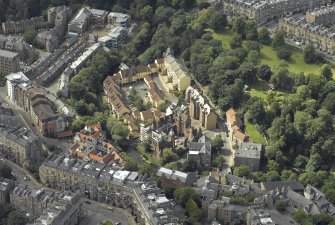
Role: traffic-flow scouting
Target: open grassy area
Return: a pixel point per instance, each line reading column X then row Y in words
column 254, row 133
column 108, row 223
column 269, row 55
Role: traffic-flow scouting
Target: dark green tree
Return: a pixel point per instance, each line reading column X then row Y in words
column 309, row 54
column 264, row 36
column 278, row 39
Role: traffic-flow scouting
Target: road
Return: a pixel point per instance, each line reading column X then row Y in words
column 97, row 212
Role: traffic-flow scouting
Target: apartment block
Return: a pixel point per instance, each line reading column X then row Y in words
column 9, row 62
column 115, row 38
column 324, row 16
column 17, row 143
column 80, row 23
column 6, row 186
column 19, row 27
column 175, row 179
column 119, row 19
column 263, row 11
column 248, row 154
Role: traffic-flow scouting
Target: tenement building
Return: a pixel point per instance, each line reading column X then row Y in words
column 19, row 27
column 324, row 16
column 108, row 184
column 9, row 62
column 17, row 143
column 298, row 29
column 263, row 11
column 47, row 207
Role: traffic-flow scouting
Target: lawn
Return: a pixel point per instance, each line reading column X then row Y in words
column 269, row 56
column 252, row 131
column 108, row 223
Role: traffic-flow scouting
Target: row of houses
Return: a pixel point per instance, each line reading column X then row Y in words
column 104, row 183
column 38, row 104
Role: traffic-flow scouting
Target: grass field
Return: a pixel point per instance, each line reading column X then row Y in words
column 254, row 133
column 269, row 56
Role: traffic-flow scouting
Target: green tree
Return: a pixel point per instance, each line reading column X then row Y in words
column 309, row 54
column 278, row 39
column 326, row 71
column 236, row 41
column 280, row 205
column 190, row 165
column 264, row 36
column 254, row 57
column 219, row 161
column 239, row 27
column 16, row 218
column 30, row 36
column 5, row 171
column 139, row 104
column 184, row 194
column 284, row 53
column 264, row 72
column 193, row 209
column 314, row 162
column 168, row 156
column 217, row 142
column 273, row 165
column 281, row 79
column 163, row 106
column 256, row 111
column 329, row 102
column 218, row 21
column 242, row 171
column 251, row 32
column 299, row 216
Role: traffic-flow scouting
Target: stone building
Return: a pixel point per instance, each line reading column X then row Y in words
column 200, row 110
column 248, row 154
column 324, row 16
column 175, row 179
column 18, row 45
column 9, row 62
column 263, row 11
column 298, row 29
column 80, row 23
column 17, row 143
column 48, row 207
column 19, row 27
column 6, row 186
column 235, row 124
column 201, row 152
column 107, row 184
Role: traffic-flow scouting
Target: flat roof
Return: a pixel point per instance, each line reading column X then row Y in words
column 7, row 54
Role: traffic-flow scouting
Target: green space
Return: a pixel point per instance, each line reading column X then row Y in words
column 108, row 223
column 252, row 131
column 269, row 55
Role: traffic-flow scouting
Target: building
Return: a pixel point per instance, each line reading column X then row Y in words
column 265, row 11
column 5, row 109
column 13, row 80
column 91, row 144
column 80, row 23
column 324, row 16
column 175, row 179
column 80, row 62
column 319, row 199
column 200, row 110
column 201, row 152
column 221, row 211
column 17, row 143
column 258, row 215
column 292, row 185
column 234, row 124
column 248, row 154
column 17, row 44
column 48, row 207
column 297, row 29
column 106, row 184
column 6, row 186
column 99, row 17
column 19, row 27
column 115, row 37
column 119, row 19
column 9, row 62
column 175, row 75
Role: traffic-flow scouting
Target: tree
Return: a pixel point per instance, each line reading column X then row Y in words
column 190, row 166
column 218, row 21
column 309, row 54
column 193, row 209
column 139, row 104
column 236, row 41
column 300, row 161
column 29, row 36
column 278, row 39
column 219, row 161
column 284, row 53
column 329, row 102
column 256, row 112
column 242, row 171
column 15, row 218
column 81, row 107
column 217, row 142
column 281, row 79
column 239, row 27
column 168, row 156
column 280, row 205
column 326, row 71
column 314, row 162
column 118, row 131
column 131, row 165
column 163, row 106
column 254, row 57
column 299, row 216
column 251, row 32
column 264, row 36
column 5, row 171
column 264, row 72
column 184, row 194
column 146, row 13
column 273, row 165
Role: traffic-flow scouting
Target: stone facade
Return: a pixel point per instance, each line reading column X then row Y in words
column 6, row 186
column 19, row 27
column 9, row 62
column 265, row 11
column 17, row 143
column 324, row 16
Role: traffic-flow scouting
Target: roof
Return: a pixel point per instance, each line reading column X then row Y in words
column 292, row 184
column 7, row 54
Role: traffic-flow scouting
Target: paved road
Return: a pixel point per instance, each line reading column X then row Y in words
column 97, row 212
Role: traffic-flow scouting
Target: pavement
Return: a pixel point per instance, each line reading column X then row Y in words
column 97, row 212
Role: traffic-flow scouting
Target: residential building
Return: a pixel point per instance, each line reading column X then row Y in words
column 221, row 211
column 319, row 199
column 80, row 62
column 90, row 143
column 18, row 45
column 6, row 185
column 200, row 110
column 48, row 207
column 175, row 179
column 54, row 14
column 265, row 11
column 174, row 75
column 234, row 124
column 19, row 27
column 119, row 19
column 104, row 183
column 99, row 17
column 17, row 143
column 324, row 16
column 292, row 185
column 115, row 37
column 258, row 215
column 9, row 62
column 248, row 154
column 298, row 201
column 297, row 29
column 201, row 152
column 5, row 109
column 156, row 96
column 80, row 23
column 13, row 80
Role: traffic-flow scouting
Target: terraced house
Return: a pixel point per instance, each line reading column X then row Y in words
column 263, row 11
